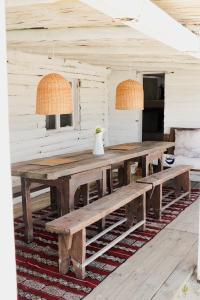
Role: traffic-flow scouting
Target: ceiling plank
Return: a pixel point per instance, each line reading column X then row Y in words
column 149, row 19
column 73, row 34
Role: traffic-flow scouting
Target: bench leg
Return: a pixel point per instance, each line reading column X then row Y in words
column 78, row 253
column 141, row 210
column 148, row 201
column 64, row 245
column 157, row 200
column 136, row 211
column 182, row 183
column 101, row 192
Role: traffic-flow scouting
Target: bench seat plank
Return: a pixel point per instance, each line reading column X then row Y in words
column 87, row 215
column 180, row 175
column 167, row 174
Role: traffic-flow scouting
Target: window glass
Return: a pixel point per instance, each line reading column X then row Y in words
column 66, row 120
column 50, row 122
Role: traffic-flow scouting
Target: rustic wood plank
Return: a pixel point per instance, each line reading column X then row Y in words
column 111, row 157
column 97, row 210
column 180, row 275
column 159, row 259
column 60, row 160
column 161, row 177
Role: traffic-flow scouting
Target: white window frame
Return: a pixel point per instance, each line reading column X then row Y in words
column 75, row 113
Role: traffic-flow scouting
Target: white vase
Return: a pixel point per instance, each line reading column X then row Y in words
column 98, row 144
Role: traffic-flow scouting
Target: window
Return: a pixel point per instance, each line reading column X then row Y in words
column 66, row 121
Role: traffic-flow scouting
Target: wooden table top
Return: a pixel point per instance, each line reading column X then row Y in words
column 51, row 168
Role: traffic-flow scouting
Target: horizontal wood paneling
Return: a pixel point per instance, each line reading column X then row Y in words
column 28, row 136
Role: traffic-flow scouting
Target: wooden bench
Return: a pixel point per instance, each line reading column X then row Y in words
column 180, row 174
column 71, row 228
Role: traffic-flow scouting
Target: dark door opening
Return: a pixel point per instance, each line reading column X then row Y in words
column 153, row 113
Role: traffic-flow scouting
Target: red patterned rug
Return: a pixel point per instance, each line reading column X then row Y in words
column 37, row 267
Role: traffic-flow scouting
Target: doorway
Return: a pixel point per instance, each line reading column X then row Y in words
column 153, row 113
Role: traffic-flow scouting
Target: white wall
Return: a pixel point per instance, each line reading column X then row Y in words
column 124, row 126
column 182, row 99
column 182, row 104
column 29, row 138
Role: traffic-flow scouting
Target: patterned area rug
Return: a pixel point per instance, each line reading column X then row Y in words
column 37, row 266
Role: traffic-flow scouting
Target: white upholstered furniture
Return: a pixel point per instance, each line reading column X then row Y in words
column 186, row 150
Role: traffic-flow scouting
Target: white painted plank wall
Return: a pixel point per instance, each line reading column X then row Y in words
column 124, row 125
column 182, row 99
column 182, row 104
column 29, row 138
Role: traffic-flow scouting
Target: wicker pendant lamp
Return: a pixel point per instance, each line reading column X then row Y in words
column 54, row 95
column 129, row 95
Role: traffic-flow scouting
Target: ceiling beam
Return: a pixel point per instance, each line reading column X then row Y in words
column 146, row 17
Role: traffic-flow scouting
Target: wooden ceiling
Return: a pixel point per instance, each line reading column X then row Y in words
column 187, row 12
column 73, row 30
column 66, row 13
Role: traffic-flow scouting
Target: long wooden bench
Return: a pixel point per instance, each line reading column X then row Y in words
column 71, row 228
column 180, row 174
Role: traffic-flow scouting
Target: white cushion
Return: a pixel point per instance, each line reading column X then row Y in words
column 187, row 143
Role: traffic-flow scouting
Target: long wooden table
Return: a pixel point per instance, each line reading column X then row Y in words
column 66, row 172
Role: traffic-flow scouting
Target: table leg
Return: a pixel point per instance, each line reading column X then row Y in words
column 104, row 188
column 67, row 189
column 27, row 209
column 145, row 166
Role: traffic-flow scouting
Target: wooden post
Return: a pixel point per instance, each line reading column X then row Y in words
column 7, row 257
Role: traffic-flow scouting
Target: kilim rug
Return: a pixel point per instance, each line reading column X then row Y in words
column 37, row 266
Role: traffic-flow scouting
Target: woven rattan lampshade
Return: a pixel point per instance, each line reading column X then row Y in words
column 129, row 95
column 54, row 95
